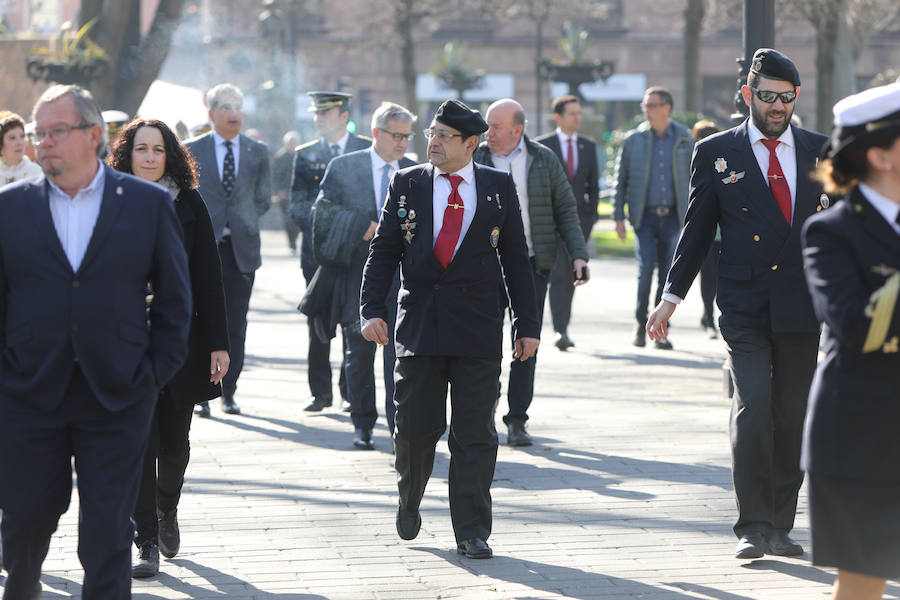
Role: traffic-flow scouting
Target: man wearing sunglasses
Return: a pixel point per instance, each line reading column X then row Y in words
column 345, row 215
column 753, row 182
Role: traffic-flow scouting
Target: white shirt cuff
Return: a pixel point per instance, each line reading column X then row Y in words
column 669, row 297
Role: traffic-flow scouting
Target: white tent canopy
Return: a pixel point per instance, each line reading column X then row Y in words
column 170, row 103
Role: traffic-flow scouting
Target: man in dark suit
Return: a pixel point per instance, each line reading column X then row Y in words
column 753, row 182
column 332, row 113
column 82, row 357
column 578, row 155
column 235, row 184
column 345, row 216
column 456, row 231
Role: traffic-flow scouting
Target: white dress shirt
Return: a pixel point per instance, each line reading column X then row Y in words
column 341, row 143
column 220, row 153
column 441, row 195
column 564, row 144
column 377, row 170
column 786, row 153
column 75, row 218
column 517, row 165
column 884, row 205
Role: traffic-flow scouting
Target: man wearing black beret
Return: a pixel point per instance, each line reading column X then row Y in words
column 456, row 231
column 753, row 182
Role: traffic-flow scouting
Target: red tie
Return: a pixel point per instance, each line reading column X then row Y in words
column 570, row 161
column 777, row 182
column 453, row 218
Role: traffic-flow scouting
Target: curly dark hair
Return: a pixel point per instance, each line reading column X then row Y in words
column 9, row 121
column 180, row 165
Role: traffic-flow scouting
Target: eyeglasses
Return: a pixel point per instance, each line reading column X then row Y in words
column 399, row 137
column 441, row 134
column 769, row 97
column 57, row 134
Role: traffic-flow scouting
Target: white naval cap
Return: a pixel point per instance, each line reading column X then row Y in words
column 860, row 117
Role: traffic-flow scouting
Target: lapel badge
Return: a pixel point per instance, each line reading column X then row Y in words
column 401, row 212
column 733, row 177
column 409, row 237
column 412, row 214
column 891, row 346
column 402, row 200
column 119, row 191
column 497, row 196
column 495, row 237
column 824, row 201
column 883, row 270
column 720, row 165
column 407, row 225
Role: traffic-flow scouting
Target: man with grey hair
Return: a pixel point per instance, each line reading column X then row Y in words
column 82, row 357
column 345, row 216
column 235, row 184
column 548, row 210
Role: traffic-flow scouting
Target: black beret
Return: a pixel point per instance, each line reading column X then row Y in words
column 457, row 115
column 327, row 100
column 774, row 65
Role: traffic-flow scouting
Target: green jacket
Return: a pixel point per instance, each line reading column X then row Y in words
column 551, row 204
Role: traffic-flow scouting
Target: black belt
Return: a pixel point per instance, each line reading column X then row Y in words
column 660, row 211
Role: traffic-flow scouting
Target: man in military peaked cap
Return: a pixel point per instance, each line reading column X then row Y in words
column 332, row 113
column 753, row 182
column 455, row 229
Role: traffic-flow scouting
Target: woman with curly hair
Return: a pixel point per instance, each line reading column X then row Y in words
column 150, row 150
column 14, row 165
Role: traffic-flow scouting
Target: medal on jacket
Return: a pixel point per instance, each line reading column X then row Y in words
column 720, row 165
column 495, row 237
column 401, row 212
column 733, row 177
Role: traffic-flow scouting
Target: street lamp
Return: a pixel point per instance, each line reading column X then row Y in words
column 759, row 32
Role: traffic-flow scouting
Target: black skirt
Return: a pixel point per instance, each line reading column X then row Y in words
column 855, row 525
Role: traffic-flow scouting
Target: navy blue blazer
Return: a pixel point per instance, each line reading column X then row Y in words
column 852, row 258
column 51, row 317
column 457, row 311
column 760, row 281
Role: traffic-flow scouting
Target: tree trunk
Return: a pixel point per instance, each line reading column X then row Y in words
column 693, row 27
column 405, row 23
column 826, row 33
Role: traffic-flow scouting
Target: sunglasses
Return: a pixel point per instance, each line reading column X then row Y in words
column 769, row 97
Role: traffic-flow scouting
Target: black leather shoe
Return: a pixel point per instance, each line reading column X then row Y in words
column 640, row 336
column 147, row 564
column 169, row 535
column 781, row 544
column 202, row 410
column 516, row 435
column 229, row 406
column 663, row 344
column 474, row 548
column 362, row 439
column 318, row 403
column 563, row 342
column 750, row 546
column 408, row 524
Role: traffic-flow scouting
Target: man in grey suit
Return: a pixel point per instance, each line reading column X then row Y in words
column 345, row 216
column 235, row 184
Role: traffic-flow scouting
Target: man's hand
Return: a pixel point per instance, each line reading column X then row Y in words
column 659, row 318
column 525, row 348
column 218, row 365
column 370, row 232
column 582, row 273
column 376, row 330
column 620, row 230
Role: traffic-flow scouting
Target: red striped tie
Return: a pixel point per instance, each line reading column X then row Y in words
column 445, row 244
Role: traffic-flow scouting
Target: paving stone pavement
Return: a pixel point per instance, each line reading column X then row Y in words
column 626, row 493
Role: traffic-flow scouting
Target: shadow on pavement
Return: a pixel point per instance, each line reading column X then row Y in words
column 710, row 362
column 805, row 571
column 567, row 581
column 706, row 591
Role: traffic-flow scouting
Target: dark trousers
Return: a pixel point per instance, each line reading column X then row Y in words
column 772, row 373
column 654, row 247
column 36, row 451
column 562, row 280
column 165, row 461
column 421, row 395
column 318, row 363
column 709, row 275
column 359, row 369
column 389, row 355
column 238, row 287
column 521, row 374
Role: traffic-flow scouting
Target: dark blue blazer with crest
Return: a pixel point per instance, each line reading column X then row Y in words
column 52, row 316
column 761, row 282
column 457, row 311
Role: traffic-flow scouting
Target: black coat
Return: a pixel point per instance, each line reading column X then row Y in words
column 852, row 258
column 586, row 183
column 761, row 283
column 209, row 329
column 457, row 311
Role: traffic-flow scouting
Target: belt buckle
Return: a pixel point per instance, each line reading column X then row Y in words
column 662, row 211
